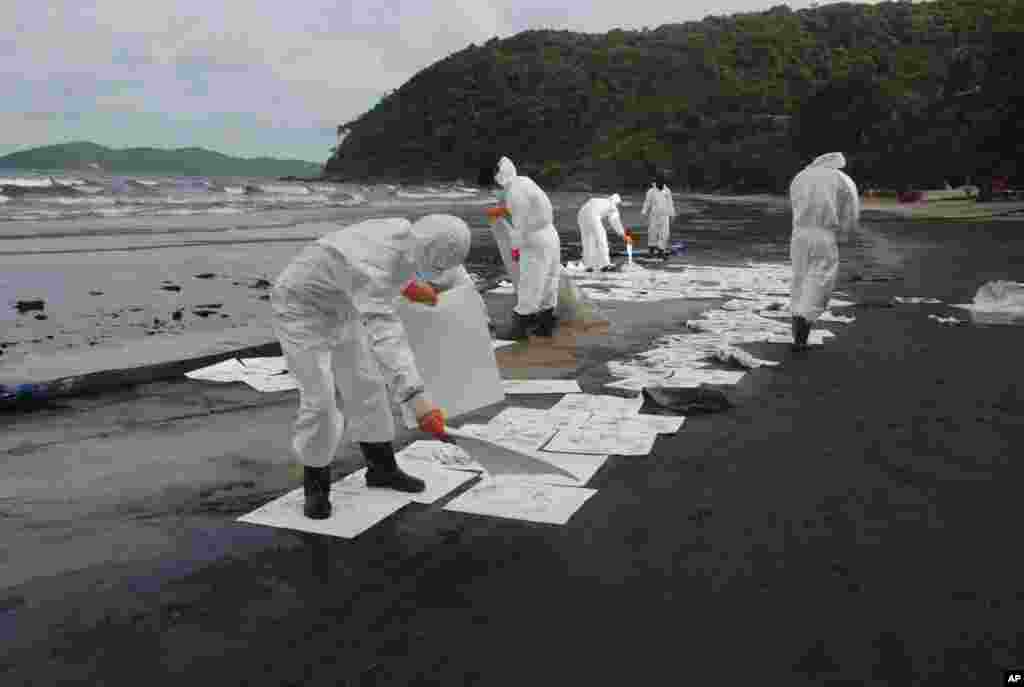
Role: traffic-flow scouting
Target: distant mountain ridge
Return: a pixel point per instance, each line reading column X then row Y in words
column 84, row 155
column 915, row 94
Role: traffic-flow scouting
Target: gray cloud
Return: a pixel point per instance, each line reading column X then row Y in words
column 300, row 64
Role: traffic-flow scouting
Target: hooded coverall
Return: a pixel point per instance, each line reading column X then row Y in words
column 540, row 267
column 333, row 313
column 592, row 231
column 825, row 201
column 660, row 210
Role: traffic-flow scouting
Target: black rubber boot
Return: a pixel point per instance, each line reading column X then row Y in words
column 316, row 484
column 546, row 323
column 521, row 325
column 383, row 471
column 806, row 333
column 801, row 330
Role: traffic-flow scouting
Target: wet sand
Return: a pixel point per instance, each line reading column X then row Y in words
column 105, row 281
column 102, row 297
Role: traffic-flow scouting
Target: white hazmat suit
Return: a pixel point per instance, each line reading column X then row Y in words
column 825, row 201
column 333, row 312
column 532, row 217
column 592, row 231
column 660, row 210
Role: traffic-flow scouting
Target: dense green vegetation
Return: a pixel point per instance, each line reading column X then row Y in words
column 182, row 161
column 914, row 93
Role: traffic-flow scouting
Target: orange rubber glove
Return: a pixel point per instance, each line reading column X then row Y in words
column 419, row 292
column 628, row 237
column 497, row 212
column 433, row 423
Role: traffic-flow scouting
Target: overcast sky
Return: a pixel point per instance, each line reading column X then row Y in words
column 255, row 77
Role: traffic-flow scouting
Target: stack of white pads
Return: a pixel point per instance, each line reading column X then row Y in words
column 577, row 435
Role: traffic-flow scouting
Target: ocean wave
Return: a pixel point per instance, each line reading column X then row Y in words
column 284, row 199
column 188, row 184
column 177, row 212
column 26, row 182
column 123, row 185
column 352, row 198
column 431, row 201
column 278, row 189
column 115, row 212
column 36, row 215
column 82, row 200
column 324, row 188
column 434, row 195
column 154, row 200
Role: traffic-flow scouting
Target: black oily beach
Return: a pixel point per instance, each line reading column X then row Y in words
column 848, row 522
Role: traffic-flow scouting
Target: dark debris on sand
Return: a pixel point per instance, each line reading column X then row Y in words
column 30, row 305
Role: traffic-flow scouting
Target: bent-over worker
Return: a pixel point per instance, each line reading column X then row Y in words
column 592, row 231
column 334, row 314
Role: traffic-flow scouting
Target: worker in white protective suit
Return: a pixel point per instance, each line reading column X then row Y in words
column 540, row 269
column 334, row 314
column 825, row 204
column 660, row 210
column 592, row 231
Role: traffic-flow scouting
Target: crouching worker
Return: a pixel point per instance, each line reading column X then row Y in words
column 334, row 314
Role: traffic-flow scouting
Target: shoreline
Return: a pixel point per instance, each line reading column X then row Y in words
column 946, row 209
column 103, row 288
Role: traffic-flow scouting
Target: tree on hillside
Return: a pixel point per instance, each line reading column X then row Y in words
column 912, row 92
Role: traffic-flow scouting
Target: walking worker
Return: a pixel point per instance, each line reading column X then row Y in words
column 529, row 210
column 825, row 204
column 592, row 231
column 660, row 210
column 334, row 314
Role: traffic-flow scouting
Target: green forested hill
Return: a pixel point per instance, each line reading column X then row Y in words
column 184, row 161
column 914, row 93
